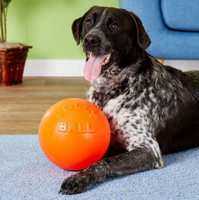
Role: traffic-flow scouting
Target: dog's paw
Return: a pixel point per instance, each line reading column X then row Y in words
column 77, row 183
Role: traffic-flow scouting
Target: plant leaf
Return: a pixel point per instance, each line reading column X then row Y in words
column 6, row 2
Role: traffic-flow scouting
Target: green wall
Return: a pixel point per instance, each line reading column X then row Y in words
column 46, row 25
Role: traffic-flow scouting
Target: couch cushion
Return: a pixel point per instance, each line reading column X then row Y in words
column 181, row 14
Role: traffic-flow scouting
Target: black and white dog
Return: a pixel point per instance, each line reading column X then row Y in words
column 152, row 109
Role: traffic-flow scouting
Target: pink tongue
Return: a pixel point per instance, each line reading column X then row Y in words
column 93, row 66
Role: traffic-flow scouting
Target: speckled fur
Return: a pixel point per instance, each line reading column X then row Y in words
column 152, row 109
column 128, row 116
column 136, row 106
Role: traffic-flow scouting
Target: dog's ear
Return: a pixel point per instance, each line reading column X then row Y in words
column 142, row 37
column 77, row 26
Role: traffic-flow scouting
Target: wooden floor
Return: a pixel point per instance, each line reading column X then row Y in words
column 22, row 106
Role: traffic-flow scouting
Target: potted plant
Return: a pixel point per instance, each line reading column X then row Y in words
column 12, row 55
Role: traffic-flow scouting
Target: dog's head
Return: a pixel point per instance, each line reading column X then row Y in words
column 109, row 36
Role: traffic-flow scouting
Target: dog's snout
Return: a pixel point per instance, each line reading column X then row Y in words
column 91, row 40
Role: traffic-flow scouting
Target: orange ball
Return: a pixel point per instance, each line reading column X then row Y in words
column 74, row 133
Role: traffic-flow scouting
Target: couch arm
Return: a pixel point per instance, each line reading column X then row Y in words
column 166, row 43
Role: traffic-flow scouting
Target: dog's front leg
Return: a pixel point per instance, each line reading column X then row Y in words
column 139, row 159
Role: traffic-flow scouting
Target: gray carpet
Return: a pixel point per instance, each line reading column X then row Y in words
column 25, row 173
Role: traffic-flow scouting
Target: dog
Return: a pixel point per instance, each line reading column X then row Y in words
column 152, row 109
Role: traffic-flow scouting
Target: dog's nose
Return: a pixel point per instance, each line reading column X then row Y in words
column 91, row 40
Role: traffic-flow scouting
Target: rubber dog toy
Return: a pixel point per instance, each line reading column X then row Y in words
column 74, row 133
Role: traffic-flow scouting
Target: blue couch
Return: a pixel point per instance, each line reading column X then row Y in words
column 172, row 25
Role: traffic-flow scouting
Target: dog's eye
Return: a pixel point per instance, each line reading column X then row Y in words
column 89, row 22
column 114, row 26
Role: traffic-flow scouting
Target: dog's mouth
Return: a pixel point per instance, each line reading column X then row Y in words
column 94, row 64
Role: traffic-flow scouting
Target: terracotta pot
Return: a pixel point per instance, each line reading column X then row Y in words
column 12, row 63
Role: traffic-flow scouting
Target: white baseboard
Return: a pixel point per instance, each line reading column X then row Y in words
column 184, row 65
column 57, row 68
column 74, row 68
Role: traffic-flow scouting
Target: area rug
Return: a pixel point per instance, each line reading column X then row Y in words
column 25, row 173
